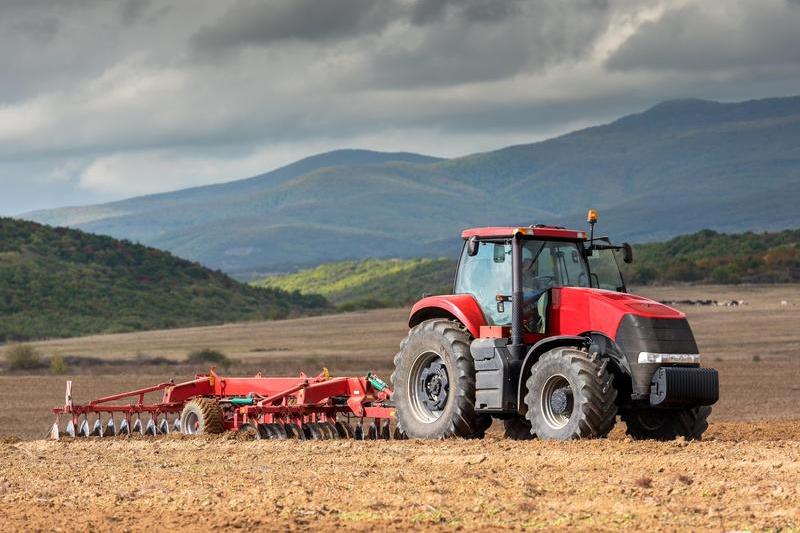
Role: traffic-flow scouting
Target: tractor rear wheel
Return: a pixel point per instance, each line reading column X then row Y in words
column 663, row 424
column 518, row 428
column 570, row 396
column 434, row 383
column 202, row 415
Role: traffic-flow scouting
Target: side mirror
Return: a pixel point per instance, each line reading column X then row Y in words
column 472, row 246
column 627, row 252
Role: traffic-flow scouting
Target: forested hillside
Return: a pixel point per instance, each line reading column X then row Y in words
column 370, row 283
column 703, row 257
column 711, row 257
column 57, row 282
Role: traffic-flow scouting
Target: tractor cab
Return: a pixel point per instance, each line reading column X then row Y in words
column 552, row 258
column 541, row 332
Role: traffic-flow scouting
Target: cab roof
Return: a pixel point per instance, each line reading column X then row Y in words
column 551, row 232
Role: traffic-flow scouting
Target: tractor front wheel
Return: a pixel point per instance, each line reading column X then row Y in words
column 570, row 395
column 434, row 383
column 664, row 424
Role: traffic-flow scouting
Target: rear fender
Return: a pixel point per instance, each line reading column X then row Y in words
column 461, row 307
column 533, row 355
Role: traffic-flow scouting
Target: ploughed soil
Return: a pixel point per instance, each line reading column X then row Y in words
column 744, row 475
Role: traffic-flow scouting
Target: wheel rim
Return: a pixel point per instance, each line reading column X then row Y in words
column 556, row 401
column 429, row 385
column 192, row 423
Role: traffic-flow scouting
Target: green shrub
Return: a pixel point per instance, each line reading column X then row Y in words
column 57, row 365
column 207, row 355
column 23, row 357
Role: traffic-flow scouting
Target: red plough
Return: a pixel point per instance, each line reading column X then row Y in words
column 320, row 407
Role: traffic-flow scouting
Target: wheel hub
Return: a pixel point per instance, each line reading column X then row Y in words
column 561, row 401
column 556, row 401
column 434, row 384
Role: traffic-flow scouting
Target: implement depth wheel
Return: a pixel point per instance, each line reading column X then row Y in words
column 200, row 416
column 434, row 383
column 570, row 396
column 667, row 424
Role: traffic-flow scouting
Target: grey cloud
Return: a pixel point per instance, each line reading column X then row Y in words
column 250, row 23
column 42, row 29
column 430, row 11
column 535, row 35
column 132, row 11
column 707, row 36
column 85, row 79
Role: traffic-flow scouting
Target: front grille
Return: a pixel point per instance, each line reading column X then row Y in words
column 637, row 334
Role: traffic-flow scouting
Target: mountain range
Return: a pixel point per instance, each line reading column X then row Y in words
column 678, row 167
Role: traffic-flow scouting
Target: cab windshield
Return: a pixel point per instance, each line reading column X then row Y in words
column 545, row 264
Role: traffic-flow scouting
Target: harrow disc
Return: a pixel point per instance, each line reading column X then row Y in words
column 344, row 430
column 247, row 432
column 279, row 431
column 137, row 426
column 97, row 429
column 294, row 432
column 372, row 432
column 358, row 433
column 386, row 432
column 163, row 427
column 111, row 429
column 176, row 426
column 55, row 434
column 124, row 428
column 330, row 429
column 84, row 430
column 399, row 434
column 70, row 429
column 314, row 431
column 263, row 432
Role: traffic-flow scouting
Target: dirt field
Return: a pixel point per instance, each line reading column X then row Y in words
column 744, row 475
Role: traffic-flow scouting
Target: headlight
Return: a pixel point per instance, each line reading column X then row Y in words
column 687, row 358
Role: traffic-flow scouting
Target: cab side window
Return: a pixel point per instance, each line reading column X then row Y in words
column 485, row 275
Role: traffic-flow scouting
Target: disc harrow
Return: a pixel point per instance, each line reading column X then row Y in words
column 276, row 408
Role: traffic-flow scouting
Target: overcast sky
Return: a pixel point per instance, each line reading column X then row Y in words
column 103, row 100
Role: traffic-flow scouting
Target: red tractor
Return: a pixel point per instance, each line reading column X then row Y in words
column 541, row 333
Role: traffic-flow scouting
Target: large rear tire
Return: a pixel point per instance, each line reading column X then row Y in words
column 570, row 396
column 434, row 383
column 664, row 424
column 202, row 415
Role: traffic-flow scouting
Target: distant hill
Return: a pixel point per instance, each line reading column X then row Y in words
column 702, row 257
column 370, row 283
column 57, row 282
column 675, row 168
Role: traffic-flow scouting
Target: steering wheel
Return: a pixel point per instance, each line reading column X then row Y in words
column 543, row 282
